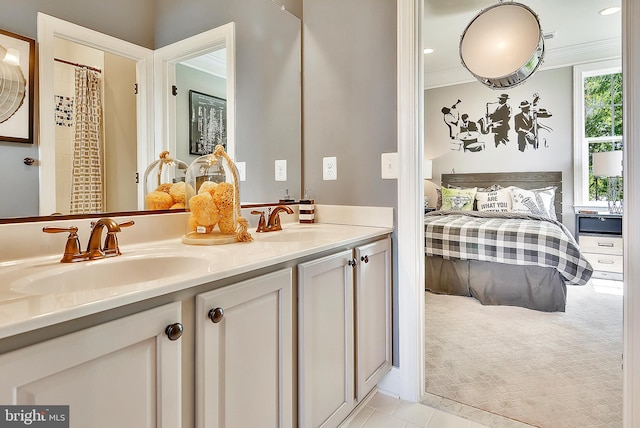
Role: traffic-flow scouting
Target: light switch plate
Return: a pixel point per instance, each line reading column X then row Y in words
column 242, row 170
column 329, row 168
column 281, row 170
column 389, row 165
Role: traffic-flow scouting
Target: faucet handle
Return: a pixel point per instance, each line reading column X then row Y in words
column 111, row 247
column 72, row 251
column 262, row 224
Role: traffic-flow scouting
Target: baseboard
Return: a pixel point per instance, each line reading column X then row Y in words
column 390, row 384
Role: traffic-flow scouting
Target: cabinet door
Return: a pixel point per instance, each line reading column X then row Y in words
column 124, row 373
column 325, row 341
column 244, row 354
column 373, row 315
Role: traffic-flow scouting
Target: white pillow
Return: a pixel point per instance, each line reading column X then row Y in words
column 535, row 201
column 494, row 201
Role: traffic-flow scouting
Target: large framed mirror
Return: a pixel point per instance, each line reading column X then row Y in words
column 268, row 92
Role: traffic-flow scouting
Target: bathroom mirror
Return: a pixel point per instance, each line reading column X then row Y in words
column 268, row 109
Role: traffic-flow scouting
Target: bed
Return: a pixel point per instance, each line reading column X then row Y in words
column 499, row 254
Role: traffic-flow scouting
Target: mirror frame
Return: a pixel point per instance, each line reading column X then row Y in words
column 165, row 60
column 50, row 27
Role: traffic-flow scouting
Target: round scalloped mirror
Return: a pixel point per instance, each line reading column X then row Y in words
column 13, row 87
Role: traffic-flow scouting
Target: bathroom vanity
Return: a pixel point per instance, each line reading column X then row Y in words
column 293, row 329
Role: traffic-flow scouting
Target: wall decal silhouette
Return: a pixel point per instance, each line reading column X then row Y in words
column 466, row 134
column 451, row 118
column 527, row 125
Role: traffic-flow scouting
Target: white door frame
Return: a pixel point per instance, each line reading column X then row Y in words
column 410, row 375
column 410, row 384
column 631, row 228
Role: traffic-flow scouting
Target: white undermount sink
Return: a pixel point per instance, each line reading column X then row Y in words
column 99, row 274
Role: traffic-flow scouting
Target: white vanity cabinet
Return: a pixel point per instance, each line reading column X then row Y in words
column 344, row 331
column 373, row 315
column 123, row 373
column 244, row 354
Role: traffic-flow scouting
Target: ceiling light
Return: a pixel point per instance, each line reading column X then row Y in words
column 428, row 50
column 503, row 45
column 609, row 11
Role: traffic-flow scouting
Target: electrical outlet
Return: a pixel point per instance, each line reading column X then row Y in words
column 281, row 170
column 389, row 165
column 242, row 171
column 329, row 168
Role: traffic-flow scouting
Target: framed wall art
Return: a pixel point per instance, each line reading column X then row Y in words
column 207, row 123
column 17, row 62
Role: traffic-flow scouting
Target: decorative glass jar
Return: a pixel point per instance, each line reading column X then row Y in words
column 213, row 201
column 164, row 181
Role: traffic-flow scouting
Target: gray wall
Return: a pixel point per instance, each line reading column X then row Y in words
column 268, row 84
column 555, row 88
column 349, row 87
column 349, row 90
column 129, row 20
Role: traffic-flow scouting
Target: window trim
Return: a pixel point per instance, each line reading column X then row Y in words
column 580, row 152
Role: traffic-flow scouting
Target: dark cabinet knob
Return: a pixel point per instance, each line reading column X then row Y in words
column 365, row 259
column 215, row 315
column 352, row 263
column 174, row 331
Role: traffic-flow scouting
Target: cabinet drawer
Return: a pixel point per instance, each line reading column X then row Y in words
column 601, row 244
column 600, row 224
column 605, row 262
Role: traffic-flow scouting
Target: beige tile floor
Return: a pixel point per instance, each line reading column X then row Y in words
column 383, row 411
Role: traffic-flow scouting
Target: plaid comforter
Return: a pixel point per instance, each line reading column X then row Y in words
column 506, row 238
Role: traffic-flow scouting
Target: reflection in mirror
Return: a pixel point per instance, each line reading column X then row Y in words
column 204, row 63
column 95, row 171
column 119, row 139
column 267, row 103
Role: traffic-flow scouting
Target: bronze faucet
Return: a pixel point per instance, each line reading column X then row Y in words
column 94, row 251
column 273, row 223
column 110, row 248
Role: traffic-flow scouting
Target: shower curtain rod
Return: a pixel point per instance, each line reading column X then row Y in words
column 75, row 64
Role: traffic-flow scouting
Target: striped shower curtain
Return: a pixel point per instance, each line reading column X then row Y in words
column 87, row 192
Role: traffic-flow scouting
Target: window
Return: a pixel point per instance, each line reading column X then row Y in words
column 597, row 127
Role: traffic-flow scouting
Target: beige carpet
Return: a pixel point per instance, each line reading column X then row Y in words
column 544, row 369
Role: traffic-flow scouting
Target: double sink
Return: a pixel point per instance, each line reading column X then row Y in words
column 139, row 265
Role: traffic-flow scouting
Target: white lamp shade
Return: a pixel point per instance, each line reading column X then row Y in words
column 607, row 164
column 427, row 169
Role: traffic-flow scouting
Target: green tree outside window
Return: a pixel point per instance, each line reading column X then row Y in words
column 603, row 125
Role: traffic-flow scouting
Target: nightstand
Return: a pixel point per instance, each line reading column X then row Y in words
column 600, row 239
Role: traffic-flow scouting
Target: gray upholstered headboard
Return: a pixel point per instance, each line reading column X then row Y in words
column 524, row 180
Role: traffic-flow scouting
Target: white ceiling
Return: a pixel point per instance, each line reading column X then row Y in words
column 214, row 63
column 581, row 34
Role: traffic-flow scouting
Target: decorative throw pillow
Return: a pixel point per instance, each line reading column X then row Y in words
column 494, row 201
column 535, row 201
column 458, row 199
column 491, row 188
column 439, row 201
